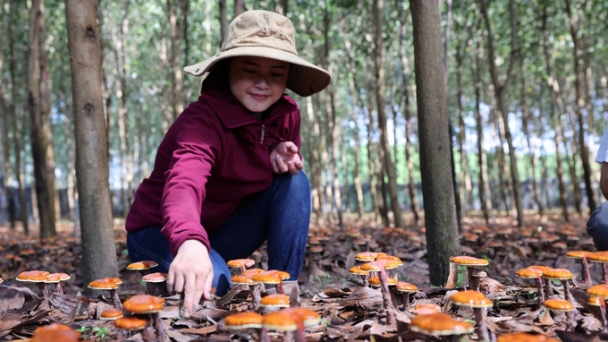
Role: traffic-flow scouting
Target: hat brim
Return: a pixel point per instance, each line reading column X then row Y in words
column 305, row 78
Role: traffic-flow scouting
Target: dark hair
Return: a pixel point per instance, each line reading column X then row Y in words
column 218, row 75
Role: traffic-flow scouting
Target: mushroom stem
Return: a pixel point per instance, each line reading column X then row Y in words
column 603, row 313
column 161, row 334
column 59, row 288
column 366, row 280
column 280, row 287
column 386, row 298
column 604, row 273
column 586, row 275
column 541, row 291
column 548, row 289
column 44, row 290
column 452, row 277
column 405, row 298
column 299, row 334
column 567, row 294
column 263, row 335
column 146, row 335
column 482, row 330
column 116, row 299
column 256, row 297
column 472, row 281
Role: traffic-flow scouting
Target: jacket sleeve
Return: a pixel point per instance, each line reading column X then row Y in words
column 197, row 148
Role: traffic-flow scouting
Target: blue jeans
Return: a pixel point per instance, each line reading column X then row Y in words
column 279, row 215
column 597, row 227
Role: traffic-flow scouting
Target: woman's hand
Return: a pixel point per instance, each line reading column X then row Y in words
column 285, row 158
column 191, row 273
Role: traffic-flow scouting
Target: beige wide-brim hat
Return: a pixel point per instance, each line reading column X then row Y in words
column 270, row 35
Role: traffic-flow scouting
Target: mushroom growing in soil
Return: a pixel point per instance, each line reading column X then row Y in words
column 56, row 333
column 133, row 323
column 479, row 303
column 601, row 292
column 108, row 285
column 154, row 282
column 143, row 266
column 405, row 289
column 272, row 277
column 601, row 304
column 602, row 258
column 246, row 279
column 378, row 266
column 563, row 275
column 471, row 264
column 441, row 324
column 36, row 277
column 292, row 319
column 245, row 320
column 275, row 301
column 57, row 278
column 111, row 314
column 560, row 306
column 241, row 264
column 425, row 309
column 356, row 270
column 530, row 273
column 148, row 305
column 582, row 256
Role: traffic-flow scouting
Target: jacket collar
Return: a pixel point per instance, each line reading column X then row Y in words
column 232, row 113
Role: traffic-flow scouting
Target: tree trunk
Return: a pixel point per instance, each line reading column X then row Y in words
column 175, row 61
column 384, row 148
column 433, row 118
column 580, row 104
column 223, row 21
column 37, row 100
column 281, row 7
column 465, row 183
column 554, row 114
column 313, row 158
column 377, row 202
column 484, row 189
column 500, row 89
column 239, row 7
column 95, row 212
column 525, row 118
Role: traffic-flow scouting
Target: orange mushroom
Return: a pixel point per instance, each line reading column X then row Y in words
column 55, row 332
column 440, row 324
column 479, row 303
column 151, row 305
column 582, row 256
column 154, row 283
column 36, row 277
column 108, row 285
column 531, row 273
column 525, row 337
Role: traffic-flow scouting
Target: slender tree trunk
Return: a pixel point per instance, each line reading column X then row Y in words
column 356, row 136
column 500, row 89
column 313, row 157
column 175, row 61
column 281, row 7
column 465, row 184
column 407, row 114
column 223, row 21
column 554, row 114
column 433, row 118
column 571, row 150
column 99, row 252
column 580, row 104
column 377, row 201
column 525, row 118
column 485, row 198
column 69, row 146
column 384, row 149
column 37, row 100
column 239, row 7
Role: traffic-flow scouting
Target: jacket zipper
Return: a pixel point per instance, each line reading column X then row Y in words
column 262, row 135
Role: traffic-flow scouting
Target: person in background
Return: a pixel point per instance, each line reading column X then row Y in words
column 227, row 175
column 597, row 225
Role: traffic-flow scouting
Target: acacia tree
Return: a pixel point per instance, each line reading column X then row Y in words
column 99, row 255
column 38, row 105
column 433, row 119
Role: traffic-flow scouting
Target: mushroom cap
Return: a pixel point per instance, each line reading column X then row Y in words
column 440, row 324
column 525, row 337
column 464, row 260
column 103, row 284
column 271, row 277
column 557, row 304
column 143, row 304
column 275, row 300
column 598, row 256
column 358, row 271
column 594, row 301
column 279, row 321
column 406, row 287
column 316, row 249
column 243, row 320
column 56, row 333
column 157, row 277
column 558, row 274
column 57, row 277
column 375, row 281
column 254, row 270
column 389, row 264
column 111, row 314
column 239, row 263
column 600, row 290
column 577, row 254
column 390, row 257
column 130, row 323
column 371, row 267
column 425, row 309
column 529, row 273
column 307, row 317
column 33, row 276
column 470, row 298
column 142, row 265
column 243, row 279
column 368, row 256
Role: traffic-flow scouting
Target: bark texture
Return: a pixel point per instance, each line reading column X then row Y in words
column 433, row 120
column 99, row 254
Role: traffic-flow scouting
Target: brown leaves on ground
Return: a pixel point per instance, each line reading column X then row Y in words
column 349, row 311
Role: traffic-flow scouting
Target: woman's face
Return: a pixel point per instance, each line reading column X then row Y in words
column 258, row 82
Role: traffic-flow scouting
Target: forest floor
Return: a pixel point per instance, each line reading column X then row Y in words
column 348, row 310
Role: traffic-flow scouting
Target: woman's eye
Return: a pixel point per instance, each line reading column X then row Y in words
column 277, row 75
column 249, row 71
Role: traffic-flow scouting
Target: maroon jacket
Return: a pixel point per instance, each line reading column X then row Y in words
column 213, row 156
